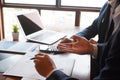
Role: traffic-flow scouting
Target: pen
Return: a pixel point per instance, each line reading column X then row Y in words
column 32, row 58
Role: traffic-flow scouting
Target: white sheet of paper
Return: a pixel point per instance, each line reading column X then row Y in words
column 24, row 78
column 25, row 67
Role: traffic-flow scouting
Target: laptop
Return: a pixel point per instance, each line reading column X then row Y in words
column 32, row 29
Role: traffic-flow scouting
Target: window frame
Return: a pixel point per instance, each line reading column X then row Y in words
column 50, row 7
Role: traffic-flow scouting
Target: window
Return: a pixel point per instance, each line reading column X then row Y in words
column 87, row 18
column 55, row 20
column 53, row 17
column 45, row 2
column 10, row 18
column 85, row 3
column 58, row 20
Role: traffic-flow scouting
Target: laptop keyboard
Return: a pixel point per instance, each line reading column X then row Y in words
column 47, row 37
column 42, row 36
column 52, row 49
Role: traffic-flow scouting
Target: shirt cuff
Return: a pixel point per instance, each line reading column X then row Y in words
column 52, row 72
column 95, row 51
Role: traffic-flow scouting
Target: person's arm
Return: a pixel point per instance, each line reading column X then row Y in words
column 44, row 64
column 59, row 75
column 79, row 45
column 46, row 67
column 90, row 31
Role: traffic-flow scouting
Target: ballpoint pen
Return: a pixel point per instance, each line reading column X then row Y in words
column 32, row 58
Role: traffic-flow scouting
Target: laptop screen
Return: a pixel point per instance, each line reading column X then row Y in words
column 28, row 24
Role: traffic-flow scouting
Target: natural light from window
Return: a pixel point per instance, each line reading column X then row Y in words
column 87, row 3
column 46, row 2
column 56, row 20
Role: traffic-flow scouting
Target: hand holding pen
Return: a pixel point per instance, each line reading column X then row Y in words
column 43, row 64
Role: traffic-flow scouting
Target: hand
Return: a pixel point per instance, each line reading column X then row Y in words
column 79, row 45
column 66, row 40
column 93, row 41
column 43, row 64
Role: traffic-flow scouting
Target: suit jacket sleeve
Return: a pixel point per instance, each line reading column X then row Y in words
column 90, row 31
column 59, row 75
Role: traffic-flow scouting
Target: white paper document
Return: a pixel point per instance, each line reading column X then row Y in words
column 17, row 47
column 9, row 62
column 24, row 78
column 25, row 67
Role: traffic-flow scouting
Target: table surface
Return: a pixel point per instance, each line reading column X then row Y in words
column 81, row 68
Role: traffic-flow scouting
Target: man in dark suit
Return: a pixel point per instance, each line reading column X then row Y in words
column 108, row 49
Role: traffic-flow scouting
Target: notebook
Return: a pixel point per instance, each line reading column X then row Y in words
column 32, row 28
column 17, row 47
column 25, row 67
